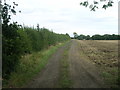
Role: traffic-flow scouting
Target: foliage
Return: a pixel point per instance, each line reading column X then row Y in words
column 75, row 35
column 18, row 41
column 98, row 37
column 30, row 65
column 11, row 48
column 106, row 37
column 95, row 4
column 41, row 39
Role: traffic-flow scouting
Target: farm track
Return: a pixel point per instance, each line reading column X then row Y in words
column 83, row 73
column 48, row 77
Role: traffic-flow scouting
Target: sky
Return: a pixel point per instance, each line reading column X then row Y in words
column 67, row 16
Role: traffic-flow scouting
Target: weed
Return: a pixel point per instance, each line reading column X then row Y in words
column 30, row 65
column 64, row 80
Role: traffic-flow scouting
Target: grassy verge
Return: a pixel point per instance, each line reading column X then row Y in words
column 29, row 66
column 111, row 77
column 64, row 81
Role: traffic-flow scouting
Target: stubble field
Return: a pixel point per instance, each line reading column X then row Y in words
column 104, row 54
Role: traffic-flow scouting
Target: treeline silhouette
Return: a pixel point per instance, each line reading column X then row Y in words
column 97, row 37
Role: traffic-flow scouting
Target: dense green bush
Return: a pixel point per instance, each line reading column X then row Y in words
column 42, row 39
column 11, row 45
column 18, row 41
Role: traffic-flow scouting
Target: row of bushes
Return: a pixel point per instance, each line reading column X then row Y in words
column 18, row 40
column 36, row 40
column 97, row 37
column 25, row 41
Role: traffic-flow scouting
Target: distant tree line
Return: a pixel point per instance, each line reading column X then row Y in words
column 96, row 37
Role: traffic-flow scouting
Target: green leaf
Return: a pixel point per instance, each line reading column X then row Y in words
column 81, row 3
column 91, row 6
column 104, row 6
column 95, row 2
column 112, row 2
column 109, row 4
column 13, row 11
column 85, row 3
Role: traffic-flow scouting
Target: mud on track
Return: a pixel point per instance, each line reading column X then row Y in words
column 83, row 73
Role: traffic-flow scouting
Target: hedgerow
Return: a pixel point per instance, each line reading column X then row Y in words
column 18, row 41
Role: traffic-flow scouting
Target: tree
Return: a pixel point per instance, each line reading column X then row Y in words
column 11, row 45
column 75, row 35
column 67, row 35
column 93, row 6
column 96, row 37
column 38, row 27
column 81, row 37
column 88, row 37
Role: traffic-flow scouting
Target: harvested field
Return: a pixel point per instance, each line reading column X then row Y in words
column 80, row 64
column 104, row 54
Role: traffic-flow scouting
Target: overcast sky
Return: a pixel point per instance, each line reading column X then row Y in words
column 67, row 16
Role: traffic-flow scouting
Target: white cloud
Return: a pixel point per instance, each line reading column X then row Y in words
column 67, row 16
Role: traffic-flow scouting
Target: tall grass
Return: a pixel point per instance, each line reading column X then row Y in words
column 64, row 78
column 30, row 65
column 27, row 41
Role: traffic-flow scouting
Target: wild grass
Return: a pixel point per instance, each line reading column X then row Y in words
column 64, row 79
column 111, row 77
column 30, row 65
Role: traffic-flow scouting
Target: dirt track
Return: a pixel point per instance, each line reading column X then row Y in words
column 83, row 73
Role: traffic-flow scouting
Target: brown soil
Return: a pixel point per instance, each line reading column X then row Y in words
column 83, row 73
